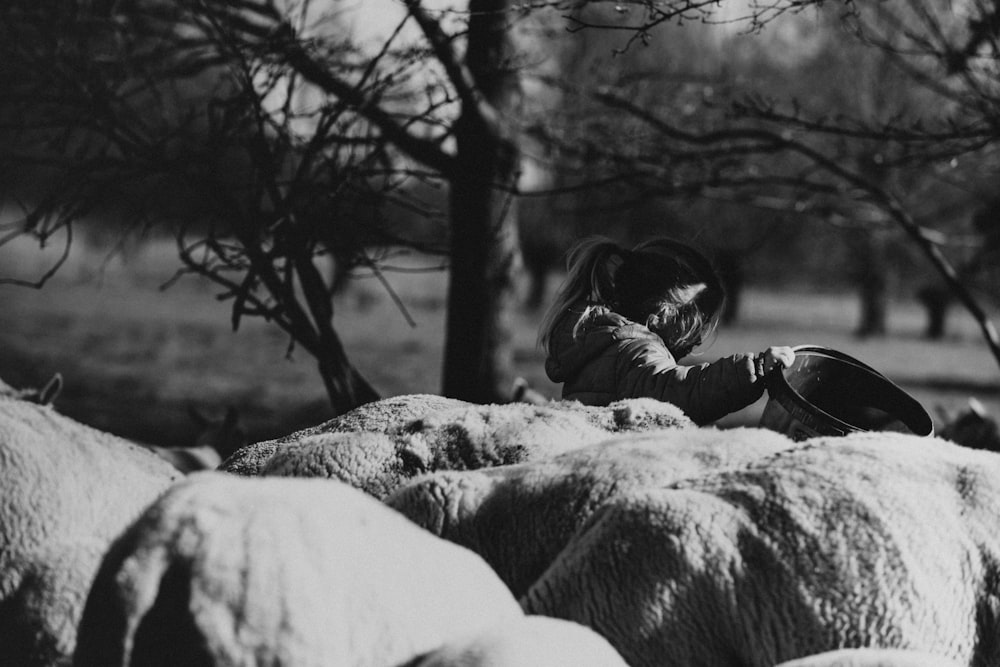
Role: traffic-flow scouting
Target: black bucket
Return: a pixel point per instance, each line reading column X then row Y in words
column 826, row 392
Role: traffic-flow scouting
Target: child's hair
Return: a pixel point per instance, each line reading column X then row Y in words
column 659, row 282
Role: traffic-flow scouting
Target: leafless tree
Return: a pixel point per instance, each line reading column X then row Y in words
column 924, row 136
column 270, row 138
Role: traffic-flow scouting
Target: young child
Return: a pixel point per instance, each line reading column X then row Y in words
column 624, row 318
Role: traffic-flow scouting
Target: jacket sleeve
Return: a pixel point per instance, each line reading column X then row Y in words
column 705, row 392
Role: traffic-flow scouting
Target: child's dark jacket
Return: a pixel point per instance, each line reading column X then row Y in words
column 612, row 358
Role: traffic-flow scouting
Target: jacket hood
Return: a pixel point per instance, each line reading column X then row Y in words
column 600, row 329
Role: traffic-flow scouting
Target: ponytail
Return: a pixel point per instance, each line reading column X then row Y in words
column 590, row 267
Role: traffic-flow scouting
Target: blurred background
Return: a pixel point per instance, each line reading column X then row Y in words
column 291, row 207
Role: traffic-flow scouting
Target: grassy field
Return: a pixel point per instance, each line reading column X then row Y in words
column 135, row 358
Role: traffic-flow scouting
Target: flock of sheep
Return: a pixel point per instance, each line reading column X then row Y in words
column 426, row 531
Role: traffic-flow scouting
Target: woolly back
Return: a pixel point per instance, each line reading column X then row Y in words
column 662, row 283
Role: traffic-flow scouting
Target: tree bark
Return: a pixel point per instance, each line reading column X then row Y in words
column 871, row 259
column 345, row 386
column 478, row 358
column 872, row 276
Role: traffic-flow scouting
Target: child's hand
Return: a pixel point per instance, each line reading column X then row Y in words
column 773, row 358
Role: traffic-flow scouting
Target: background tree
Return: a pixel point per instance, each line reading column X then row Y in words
column 905, row 160
column 282, row 142
column 276, row 140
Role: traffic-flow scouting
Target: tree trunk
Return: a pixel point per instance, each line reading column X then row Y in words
column 729, row 263
column 345, row 386
column 872, row 275
column 936, row 300
column 478, row 359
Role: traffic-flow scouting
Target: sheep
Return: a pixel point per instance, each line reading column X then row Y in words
column 878, row 540
column 42, row 396
column 225, row 569
column 859, row 657
column 67, row 491
column 463, row 439
column 217, row 441
column 187, row 460
column 377, row 454
column 534, row 641
column 972, row 427
column 375, row 417
column 629, row 415
column 474, row 508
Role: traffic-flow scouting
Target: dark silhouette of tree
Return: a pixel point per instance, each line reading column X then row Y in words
column 270, row 140
column 478, row 353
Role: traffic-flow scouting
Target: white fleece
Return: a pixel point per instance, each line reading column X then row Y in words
column 229, row 570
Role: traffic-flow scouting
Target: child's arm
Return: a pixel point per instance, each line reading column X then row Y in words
column 705, row 392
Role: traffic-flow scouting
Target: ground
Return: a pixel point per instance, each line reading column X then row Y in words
column 135, row 358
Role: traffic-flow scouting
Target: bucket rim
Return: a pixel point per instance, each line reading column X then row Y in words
column 839, row 356
column 787, row 393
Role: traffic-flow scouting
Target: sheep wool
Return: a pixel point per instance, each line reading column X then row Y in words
column 370, row 462
column 377, row 454
column 863, row 657
column 67, row 491
column 559, row 495
column 375, row 417
column 535, row 641
column 229, row 570
column 874, row 540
